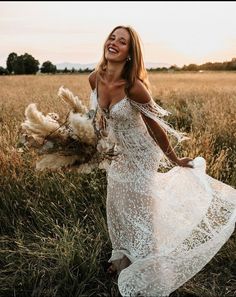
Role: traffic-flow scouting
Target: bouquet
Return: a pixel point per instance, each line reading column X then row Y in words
column 76, row 142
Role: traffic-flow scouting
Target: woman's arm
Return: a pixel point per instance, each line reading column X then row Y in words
column 140, row 94
column 160, row 137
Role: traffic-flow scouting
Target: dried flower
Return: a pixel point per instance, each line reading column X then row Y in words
column 75, row 142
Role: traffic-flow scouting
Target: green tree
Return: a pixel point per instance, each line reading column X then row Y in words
column 192, row 67
column 19, row 66
column 25, row 64
column 48, row 67
column 31, row 64
column 232, row 64
column 3, row 71
column 174, row 67
column 12, row 57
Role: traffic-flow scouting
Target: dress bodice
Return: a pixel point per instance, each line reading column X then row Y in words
column 139, row 154
column 125, row 123
column 121, row 115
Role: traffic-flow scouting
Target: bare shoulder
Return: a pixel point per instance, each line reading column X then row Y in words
column 92, row 79
column 139, row 92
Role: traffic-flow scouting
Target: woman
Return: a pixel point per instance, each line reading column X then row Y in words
column 164, row 227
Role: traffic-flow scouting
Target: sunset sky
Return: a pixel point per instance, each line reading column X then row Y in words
column 171, row 32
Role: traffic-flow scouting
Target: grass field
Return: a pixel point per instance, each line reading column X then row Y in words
column 54, row 237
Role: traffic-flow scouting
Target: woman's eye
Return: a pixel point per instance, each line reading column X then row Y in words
column 112, row 38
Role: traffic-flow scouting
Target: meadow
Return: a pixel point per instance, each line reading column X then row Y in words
column 53, row 234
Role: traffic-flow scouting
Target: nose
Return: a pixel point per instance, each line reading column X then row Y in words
column 113, row 41
column 113, row 44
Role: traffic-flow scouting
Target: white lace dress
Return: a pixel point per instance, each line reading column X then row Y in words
column 169, row 225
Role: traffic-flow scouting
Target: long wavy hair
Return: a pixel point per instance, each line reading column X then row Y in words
column 134, row 68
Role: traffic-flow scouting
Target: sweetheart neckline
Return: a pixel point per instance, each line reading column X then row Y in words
column 110, row 107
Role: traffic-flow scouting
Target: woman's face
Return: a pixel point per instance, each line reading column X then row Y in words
column 117, row 45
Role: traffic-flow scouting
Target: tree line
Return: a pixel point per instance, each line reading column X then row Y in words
column 27, row 64
column 215, row 66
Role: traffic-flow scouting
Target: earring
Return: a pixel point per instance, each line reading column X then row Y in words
column 128, row 59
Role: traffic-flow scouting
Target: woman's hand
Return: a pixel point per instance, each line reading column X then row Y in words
column 185, row 162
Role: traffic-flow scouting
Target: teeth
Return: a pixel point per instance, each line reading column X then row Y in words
column 112, row 50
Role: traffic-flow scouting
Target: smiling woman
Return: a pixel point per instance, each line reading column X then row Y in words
column 116, row 49
column 164, row 227
column 118, row 43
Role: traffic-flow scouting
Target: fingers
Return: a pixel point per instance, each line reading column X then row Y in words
column 187, row 162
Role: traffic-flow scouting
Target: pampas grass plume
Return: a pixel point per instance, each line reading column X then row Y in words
column 37, row 123
column 82, row 127
column 55, row 161
column 73, row 101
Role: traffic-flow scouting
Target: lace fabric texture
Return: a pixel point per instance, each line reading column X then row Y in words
column 169, row 225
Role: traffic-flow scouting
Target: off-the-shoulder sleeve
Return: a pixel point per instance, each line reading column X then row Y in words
column 154, row 111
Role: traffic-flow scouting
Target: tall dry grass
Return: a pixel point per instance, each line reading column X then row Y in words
column 54, row 237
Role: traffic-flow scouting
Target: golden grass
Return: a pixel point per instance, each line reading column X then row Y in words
column 202, row 104
column 54, row 239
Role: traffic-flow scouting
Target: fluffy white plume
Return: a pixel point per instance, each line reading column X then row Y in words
column 104, row 145
column 73, row 101
column 86, row 168
column 37, row 123
column 53, row 116
column 104, row 164
column 70, row 143
column 55, row 161
column 82, row 127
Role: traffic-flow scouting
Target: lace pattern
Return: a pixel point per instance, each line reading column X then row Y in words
column 130, row 135
column 169, row 225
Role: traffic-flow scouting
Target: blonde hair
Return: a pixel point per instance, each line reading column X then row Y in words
column 134, row 68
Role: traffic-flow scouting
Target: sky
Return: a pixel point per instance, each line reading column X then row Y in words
column 74, row 31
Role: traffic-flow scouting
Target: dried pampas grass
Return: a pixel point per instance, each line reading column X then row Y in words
column 75, row 143
column 82, row 127
column 37, row 123
column 73, row 101
column 55, row 161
